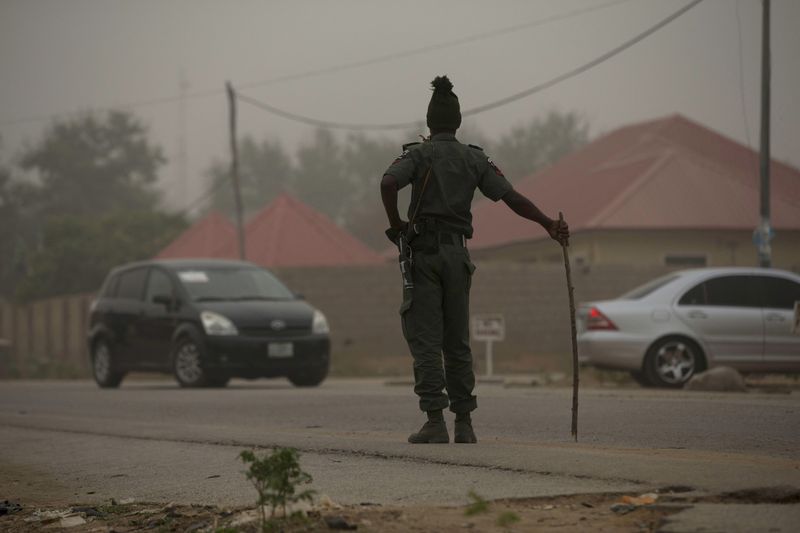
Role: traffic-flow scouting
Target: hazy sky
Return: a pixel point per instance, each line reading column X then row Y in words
column 63, row 56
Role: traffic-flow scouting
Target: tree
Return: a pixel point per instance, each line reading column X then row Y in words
column 364, row 159
column 320, row 177
column 18, row 228
column 90, row 204
column 94, row 164
column 264, row 172
column 539, row 143
column 78, row 251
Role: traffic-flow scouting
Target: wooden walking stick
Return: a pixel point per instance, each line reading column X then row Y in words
column 575, row 373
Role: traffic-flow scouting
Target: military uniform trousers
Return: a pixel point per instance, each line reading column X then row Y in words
column 435, row 320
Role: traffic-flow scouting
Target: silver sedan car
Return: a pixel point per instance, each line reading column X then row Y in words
column 685, row 322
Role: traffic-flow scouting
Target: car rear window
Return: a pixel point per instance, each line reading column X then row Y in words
column 725, row 291
column 208, row 284
column 649, row 287
column 780, row 293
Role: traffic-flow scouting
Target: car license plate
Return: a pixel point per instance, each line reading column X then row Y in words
column 280, row 349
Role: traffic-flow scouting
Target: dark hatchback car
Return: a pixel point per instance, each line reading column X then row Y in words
column 205, row 321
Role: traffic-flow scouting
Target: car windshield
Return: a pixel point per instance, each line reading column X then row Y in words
column 233, row 283
column 651, row 286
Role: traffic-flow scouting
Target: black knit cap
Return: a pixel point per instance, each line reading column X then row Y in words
column 444, row 112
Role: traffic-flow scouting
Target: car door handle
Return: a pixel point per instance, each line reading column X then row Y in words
column 697, row 314
column 775, row 317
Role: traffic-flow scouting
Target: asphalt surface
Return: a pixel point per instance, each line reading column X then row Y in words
column 152, row 441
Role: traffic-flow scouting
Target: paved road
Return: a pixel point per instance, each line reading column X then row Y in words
column 151, row 440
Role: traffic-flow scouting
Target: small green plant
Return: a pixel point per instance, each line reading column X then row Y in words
column 477, row 504
column 507, row 518
column 277, row 478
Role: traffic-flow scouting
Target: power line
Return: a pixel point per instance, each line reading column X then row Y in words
column 517, row 96
column 331, row 69
column 486, row 107
column 213, row 189
column 429, row 48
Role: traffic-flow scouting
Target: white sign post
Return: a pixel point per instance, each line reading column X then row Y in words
column 488, row 328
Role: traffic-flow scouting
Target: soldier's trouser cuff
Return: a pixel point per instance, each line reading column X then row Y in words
column 464, row 406
column 433, row 404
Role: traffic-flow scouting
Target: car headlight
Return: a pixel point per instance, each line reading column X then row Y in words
column 216, row 324
column 319, row 324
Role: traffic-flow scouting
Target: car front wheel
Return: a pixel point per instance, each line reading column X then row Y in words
column 672, row 361
column 187, row 364
column 104, row 366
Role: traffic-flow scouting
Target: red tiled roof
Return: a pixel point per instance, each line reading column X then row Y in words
column 288, row 233
column 670, row 173
column 201, row 239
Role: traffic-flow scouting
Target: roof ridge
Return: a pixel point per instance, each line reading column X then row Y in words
column 624, row 196
column 327, row 227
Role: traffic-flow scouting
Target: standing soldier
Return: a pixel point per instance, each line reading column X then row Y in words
column 435, row 311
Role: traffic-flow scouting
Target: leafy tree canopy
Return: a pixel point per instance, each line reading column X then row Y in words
column 538, row 143
column 88, row 203
column 78, row 251
column 95, row 163
column 264, row 172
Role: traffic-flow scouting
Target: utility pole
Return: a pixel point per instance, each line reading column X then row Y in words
column 763, row 233
column 235, row 169
column 183, row 186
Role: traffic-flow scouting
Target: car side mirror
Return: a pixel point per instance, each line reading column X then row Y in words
column 300, row 296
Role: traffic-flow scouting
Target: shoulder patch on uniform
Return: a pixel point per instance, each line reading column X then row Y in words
column 495, row 168
column 401, row 156
column 475, row 146
column 406, row 146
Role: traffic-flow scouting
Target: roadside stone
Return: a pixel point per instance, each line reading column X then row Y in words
column 623, row 508
column 71, row 521
column 245, row 517
column 88, row 511
column 7, row 507
column 718, row 379
column 326, row 503
column 338, row 522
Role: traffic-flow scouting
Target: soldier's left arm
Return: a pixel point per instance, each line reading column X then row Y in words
column 522, row 206
column 495, row 186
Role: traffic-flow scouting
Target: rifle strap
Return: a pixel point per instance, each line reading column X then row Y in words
column 419, row 198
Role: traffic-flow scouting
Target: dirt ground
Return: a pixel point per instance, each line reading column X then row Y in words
column 568, row 513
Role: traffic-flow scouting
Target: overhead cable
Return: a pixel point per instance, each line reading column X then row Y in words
column 480, row 109
column 334, row 68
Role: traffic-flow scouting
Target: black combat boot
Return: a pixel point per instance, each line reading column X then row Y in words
column 463, row 433
column 434, row 431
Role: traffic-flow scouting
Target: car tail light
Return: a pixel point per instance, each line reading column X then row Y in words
column 598, row 321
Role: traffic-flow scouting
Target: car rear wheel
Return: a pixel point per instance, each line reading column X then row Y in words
column 310, row 377
column 104, row 367
column 187, row 364
column 672, row 361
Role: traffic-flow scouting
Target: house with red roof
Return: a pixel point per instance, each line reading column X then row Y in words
column 663, row 192
column 201, row 239
column 289, row 233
